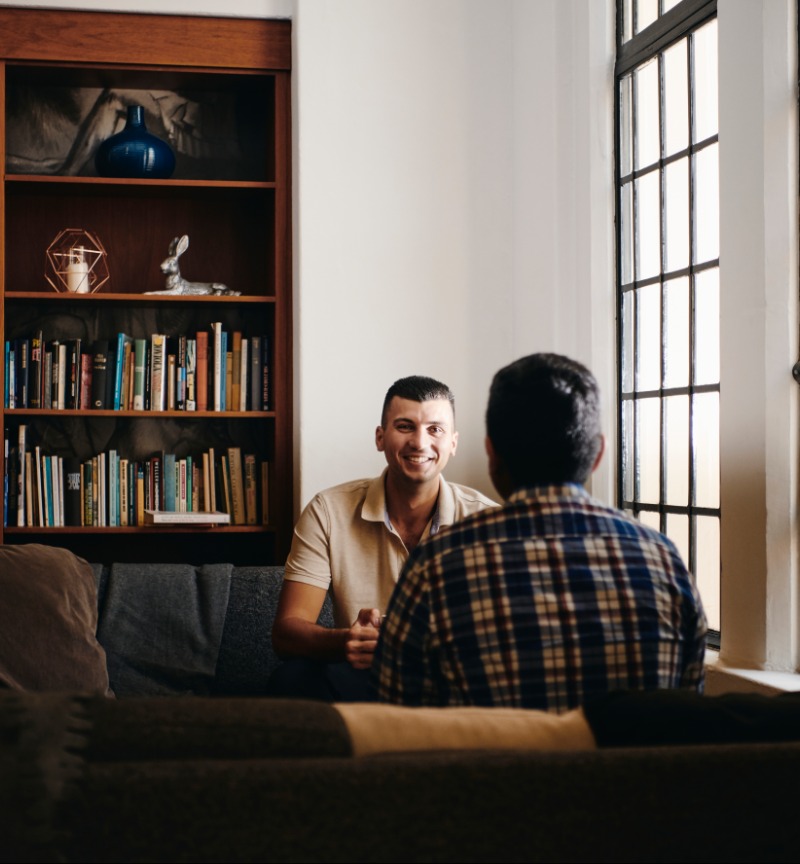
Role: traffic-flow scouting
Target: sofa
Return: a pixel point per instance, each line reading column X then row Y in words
column 196, row 765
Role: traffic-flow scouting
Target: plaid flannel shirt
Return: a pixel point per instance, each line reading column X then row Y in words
column 541, row 603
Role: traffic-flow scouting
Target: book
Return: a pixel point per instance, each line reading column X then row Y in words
column 139, row 373
column 196, row 517
column 87, row 363
column 168, row 482
column 228, row 382
column 212, row 481
column 172, row 389
column 73, row 505
column 11, row 375
column 191, row 374
column 123, row 492
column 72, row 390
column 237, row 496
column 36, row 368
column 245, row 368
column 250, row 489
column 201, row 372
column 254, row 377
column 218, row 367
column 21, row 484
column 100, row 351
column 22, row 367
column 265, row 373
column 180, row 375
column 60, row 382
column 235, row 372
column 158, row 371
column 139, row 493
column 88, row 495
column 121, row 360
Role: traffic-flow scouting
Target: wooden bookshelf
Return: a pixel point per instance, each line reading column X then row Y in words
column 221, row 89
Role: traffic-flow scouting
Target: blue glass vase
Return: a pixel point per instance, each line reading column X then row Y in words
column 134, row 152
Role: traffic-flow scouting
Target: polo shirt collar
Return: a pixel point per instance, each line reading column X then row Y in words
column 374, row 507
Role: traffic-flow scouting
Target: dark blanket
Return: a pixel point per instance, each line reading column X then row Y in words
column 181, row 609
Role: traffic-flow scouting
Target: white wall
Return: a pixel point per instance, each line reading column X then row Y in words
column 452, row 202
column 452, row 178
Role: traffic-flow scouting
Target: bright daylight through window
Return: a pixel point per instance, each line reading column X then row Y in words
column 668, row 278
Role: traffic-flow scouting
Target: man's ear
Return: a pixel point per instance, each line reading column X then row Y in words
column 497, row 470
column 379, row 438
column 599, row 458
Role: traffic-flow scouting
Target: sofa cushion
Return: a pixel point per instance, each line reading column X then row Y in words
column 375, row 728
column 161, row 626
column 48, row 621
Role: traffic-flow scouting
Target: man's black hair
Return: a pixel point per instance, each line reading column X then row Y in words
column 543, row 420
column 418, row 388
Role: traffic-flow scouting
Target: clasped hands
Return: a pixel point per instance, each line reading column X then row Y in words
column 362, row 638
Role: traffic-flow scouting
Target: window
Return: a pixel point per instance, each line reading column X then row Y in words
column 668, row 285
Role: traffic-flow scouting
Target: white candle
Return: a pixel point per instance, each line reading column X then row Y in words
column 78, row 272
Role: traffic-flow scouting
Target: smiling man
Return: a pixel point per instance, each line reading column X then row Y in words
column 352, row 540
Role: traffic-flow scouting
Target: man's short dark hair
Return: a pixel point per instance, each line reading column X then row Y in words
column 543, row 420
column 417, row 388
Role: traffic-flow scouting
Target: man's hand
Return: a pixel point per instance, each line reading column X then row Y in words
column 362, row 638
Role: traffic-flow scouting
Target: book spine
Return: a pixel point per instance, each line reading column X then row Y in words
column 21, row 484
column 191, row 374
column 238, row 516
column 235, row 372
column 218, row 366
column 201, row 372
column 36, row 371
column 99, row 373
column 250, row 489
column 265, row 395
column 61, row 388
column 74, row 368
column 244, row 365
column 72, row 491
column 158, row 369
column 139, row 372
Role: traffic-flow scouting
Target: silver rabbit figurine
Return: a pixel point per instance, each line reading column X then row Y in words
column 176, row 284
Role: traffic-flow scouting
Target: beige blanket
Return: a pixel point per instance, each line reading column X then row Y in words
column 377, row 728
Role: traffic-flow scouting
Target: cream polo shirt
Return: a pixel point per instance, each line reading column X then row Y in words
column 345, row 543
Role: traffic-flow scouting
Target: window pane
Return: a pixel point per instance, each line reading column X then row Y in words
column 705, row 81
column 625, row 129
column 676, row 98
column 648, row 226
column 678, row 532
column 676, row 333
column 706, row 203
column 646, row 13
column 676, row 205
column 628, row 431
column 706, row 327
column 626, row 229
column 652, row 520
column 648, row 450
column 676, row 416
column 627, row 19
column 648, row 337
column 646, row 114
column 626, row 327
column 706, row 570
column 705, row 432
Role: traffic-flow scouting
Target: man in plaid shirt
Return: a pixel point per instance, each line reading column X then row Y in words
column 552, row 598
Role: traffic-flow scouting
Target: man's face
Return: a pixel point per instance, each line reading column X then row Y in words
column 417, row 438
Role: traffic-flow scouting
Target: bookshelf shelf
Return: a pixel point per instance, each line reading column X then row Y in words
column 226, row 114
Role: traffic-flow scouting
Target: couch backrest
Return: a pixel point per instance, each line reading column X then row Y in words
column 183, row 630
